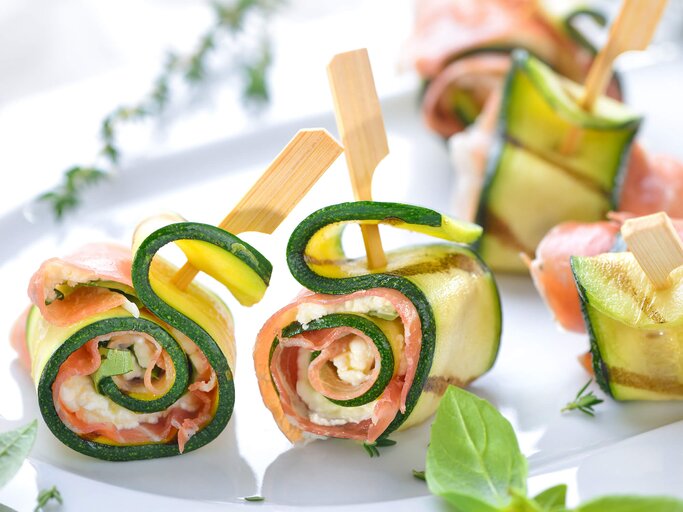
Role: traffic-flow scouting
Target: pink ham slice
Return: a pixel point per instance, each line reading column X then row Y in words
column 445, row 43
column 105, row 262
column 278, row 379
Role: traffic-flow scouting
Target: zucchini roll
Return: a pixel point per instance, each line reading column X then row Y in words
column 551, row 269
column 127, row 366
column 635, row 330
column 461, row 49
column 531, row 182
column 360, row 354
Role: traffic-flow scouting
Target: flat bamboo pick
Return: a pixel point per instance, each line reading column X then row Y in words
column 361, row 126
column 284, row 183
column 655, row 243
column 633, row 29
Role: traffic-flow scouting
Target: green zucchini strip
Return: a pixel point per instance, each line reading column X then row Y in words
column 429, row 276
column 530, row 184
column 196, row 313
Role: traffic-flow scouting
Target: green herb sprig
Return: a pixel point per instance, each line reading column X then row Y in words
column 47, row 495
column 583, row 401
column 474, row 462
column 373, row 448
column 230, row 20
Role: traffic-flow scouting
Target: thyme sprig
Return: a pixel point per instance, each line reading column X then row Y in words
column 373, row 448
column 230, row 20
column 47, row 495
column 583, row 401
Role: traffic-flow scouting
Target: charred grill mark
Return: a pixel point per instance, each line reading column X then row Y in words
column 438, row 385
column 310, row 260
column 639, row 381
column 500, row 229
column 560, row 164
column 646, row 303
column 432, row 266
column 442, row 264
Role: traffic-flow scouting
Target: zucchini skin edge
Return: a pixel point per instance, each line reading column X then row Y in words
column 600, row 369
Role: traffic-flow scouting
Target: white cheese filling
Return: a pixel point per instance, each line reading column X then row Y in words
column 78, row 394
column 371, row 305
column 355, row 365
column 321, row 410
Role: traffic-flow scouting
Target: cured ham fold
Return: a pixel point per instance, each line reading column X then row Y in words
column 127, row 366
column 461, row 48
column 361, row 354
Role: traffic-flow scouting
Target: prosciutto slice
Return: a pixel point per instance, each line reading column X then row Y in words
column 278, row 380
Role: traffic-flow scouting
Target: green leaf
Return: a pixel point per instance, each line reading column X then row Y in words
column 254, row 498
column 632, row 504
column 15, row 445
column 553, row 499
column 521, row 503
column 473, row 459
column 114, row 362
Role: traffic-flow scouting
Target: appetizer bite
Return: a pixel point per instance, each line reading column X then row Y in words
column 363, row 353
column 531, row 182
column 461, row 49
column 128, row 366
column 631, row 303
column 551, row 268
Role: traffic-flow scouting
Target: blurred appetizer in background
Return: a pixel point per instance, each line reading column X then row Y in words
column 128, row 366
column 631, row 302
column 461, row 49
column 527, row 183
column 363, row 353
column 551, row 268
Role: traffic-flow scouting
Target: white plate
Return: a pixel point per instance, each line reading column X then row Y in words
column 535, row 375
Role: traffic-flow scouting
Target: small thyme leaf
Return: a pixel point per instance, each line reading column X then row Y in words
column 373, row 448
column 254, row 498
column 45, row 496
column 583, row 401
column 383, row 441
column 420, row 475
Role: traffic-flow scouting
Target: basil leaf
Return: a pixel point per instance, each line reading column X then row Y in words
column 520, row 503
column 15, row 445
column 632, row 504
column 553, row 499
column 114, row 362
column 473, row 459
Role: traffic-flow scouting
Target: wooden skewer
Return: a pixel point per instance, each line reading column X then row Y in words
column 284, row 183
column 633, row 29
column 655, row 244
column 361, row 126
